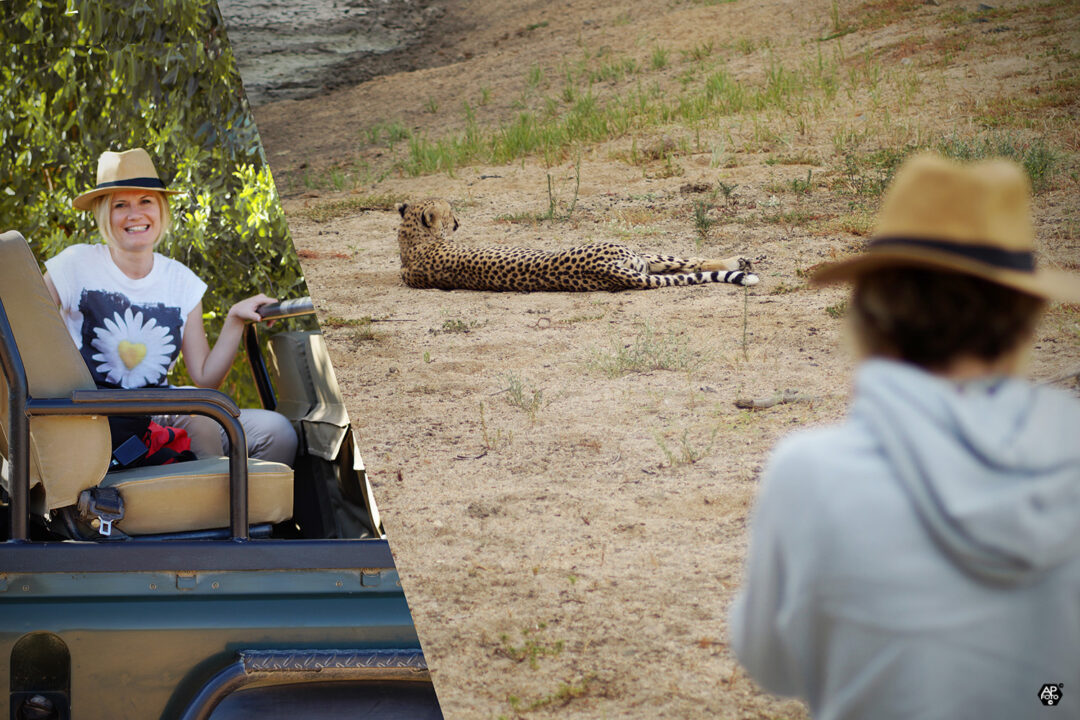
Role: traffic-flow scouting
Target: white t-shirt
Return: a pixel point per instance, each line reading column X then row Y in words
column 128, row 331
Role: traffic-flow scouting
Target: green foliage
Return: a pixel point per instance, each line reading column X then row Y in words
column 73, row 87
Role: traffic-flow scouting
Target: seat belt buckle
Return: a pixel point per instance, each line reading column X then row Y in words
column 103, row 504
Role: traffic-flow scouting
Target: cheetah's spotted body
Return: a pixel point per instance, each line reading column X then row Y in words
column 429, row 259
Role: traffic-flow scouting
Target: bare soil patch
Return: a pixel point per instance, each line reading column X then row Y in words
column 569, row 523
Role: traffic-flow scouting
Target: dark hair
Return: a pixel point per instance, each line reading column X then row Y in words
column 931, row 317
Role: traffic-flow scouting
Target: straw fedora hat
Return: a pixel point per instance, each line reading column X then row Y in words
column 127, row 170
column 965, row 218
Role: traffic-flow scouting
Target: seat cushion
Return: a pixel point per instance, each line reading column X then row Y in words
column 194, row 495
column 67, row 454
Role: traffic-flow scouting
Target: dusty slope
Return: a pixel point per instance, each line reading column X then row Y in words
column 570, row 539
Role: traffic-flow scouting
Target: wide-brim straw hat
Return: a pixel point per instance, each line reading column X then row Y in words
column 128, row 170
column 966, row 218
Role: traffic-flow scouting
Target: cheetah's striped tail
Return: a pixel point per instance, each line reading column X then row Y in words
column 734, row 277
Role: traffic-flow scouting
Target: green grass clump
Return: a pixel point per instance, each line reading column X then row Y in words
column 579, row 116
column 659, row 58
column 688, row 452
column 1035, row 156
column 702, row 222
column 519, row 395
column 360, row 329
column 645, row 352
column 869, row 174
column 457, row 326
column 334, row 209
column 531, row 649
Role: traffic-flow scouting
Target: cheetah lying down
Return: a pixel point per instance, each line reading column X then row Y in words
column 429, row 259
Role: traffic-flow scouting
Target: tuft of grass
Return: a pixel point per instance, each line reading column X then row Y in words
column 365, row 334
column 553, row 203
column 702, row 222
column 745, row 45
column 728, row 191
column 519, row 395
column 868, row 174
column 838, row 26
column 796, row 217
column 532, row 647
column 562, row 695
column 492, row 441
column 838, row 310
column 534, row 77
column 391, row 133
column 805, row 157
column 802, row 187
column 456, row 325
column 361, row 329
column 646, row 352
column 335, row 322
column 614, row 71
column 1039, row 161
column 688, row 453
column 699, row 53
column 659, row 59
column 324, row 212
column 581, row 318
column 782, row 288
column 859, row 222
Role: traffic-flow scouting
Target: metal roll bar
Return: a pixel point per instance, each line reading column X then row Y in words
column 274, row 311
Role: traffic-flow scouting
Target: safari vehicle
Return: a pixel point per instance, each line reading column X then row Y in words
column 215, row 588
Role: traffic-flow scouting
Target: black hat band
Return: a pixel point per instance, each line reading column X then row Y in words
column 1021, row 260
column 147, row 182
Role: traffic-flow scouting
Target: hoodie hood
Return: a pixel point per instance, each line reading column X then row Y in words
column 992, row 466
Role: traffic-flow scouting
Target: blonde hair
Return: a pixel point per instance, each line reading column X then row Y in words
column 102, row 214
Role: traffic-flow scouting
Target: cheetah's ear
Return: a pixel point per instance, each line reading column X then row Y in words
column 401, row 208
column 428, row 217
column 455, row 223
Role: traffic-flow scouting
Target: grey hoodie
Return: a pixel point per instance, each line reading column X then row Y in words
column 923, row 558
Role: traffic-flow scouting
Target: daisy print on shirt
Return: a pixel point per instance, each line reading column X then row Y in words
column 126, row 345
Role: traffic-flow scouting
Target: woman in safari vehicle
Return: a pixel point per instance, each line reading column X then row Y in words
column 132, row 311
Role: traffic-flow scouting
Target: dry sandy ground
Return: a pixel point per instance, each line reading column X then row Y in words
column 570, row 537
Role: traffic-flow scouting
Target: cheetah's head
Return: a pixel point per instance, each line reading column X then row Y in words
column 425, row 222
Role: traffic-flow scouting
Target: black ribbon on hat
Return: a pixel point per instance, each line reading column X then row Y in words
column 147, row 182
column 1022, row 260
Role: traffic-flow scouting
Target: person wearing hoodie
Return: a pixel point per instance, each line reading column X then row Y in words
column 922, row 558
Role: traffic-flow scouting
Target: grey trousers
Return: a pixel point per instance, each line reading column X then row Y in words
column 270, row 435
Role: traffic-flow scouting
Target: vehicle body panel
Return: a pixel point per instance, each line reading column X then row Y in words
column 143, row 641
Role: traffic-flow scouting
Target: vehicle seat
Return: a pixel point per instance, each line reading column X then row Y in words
column 71, row 454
